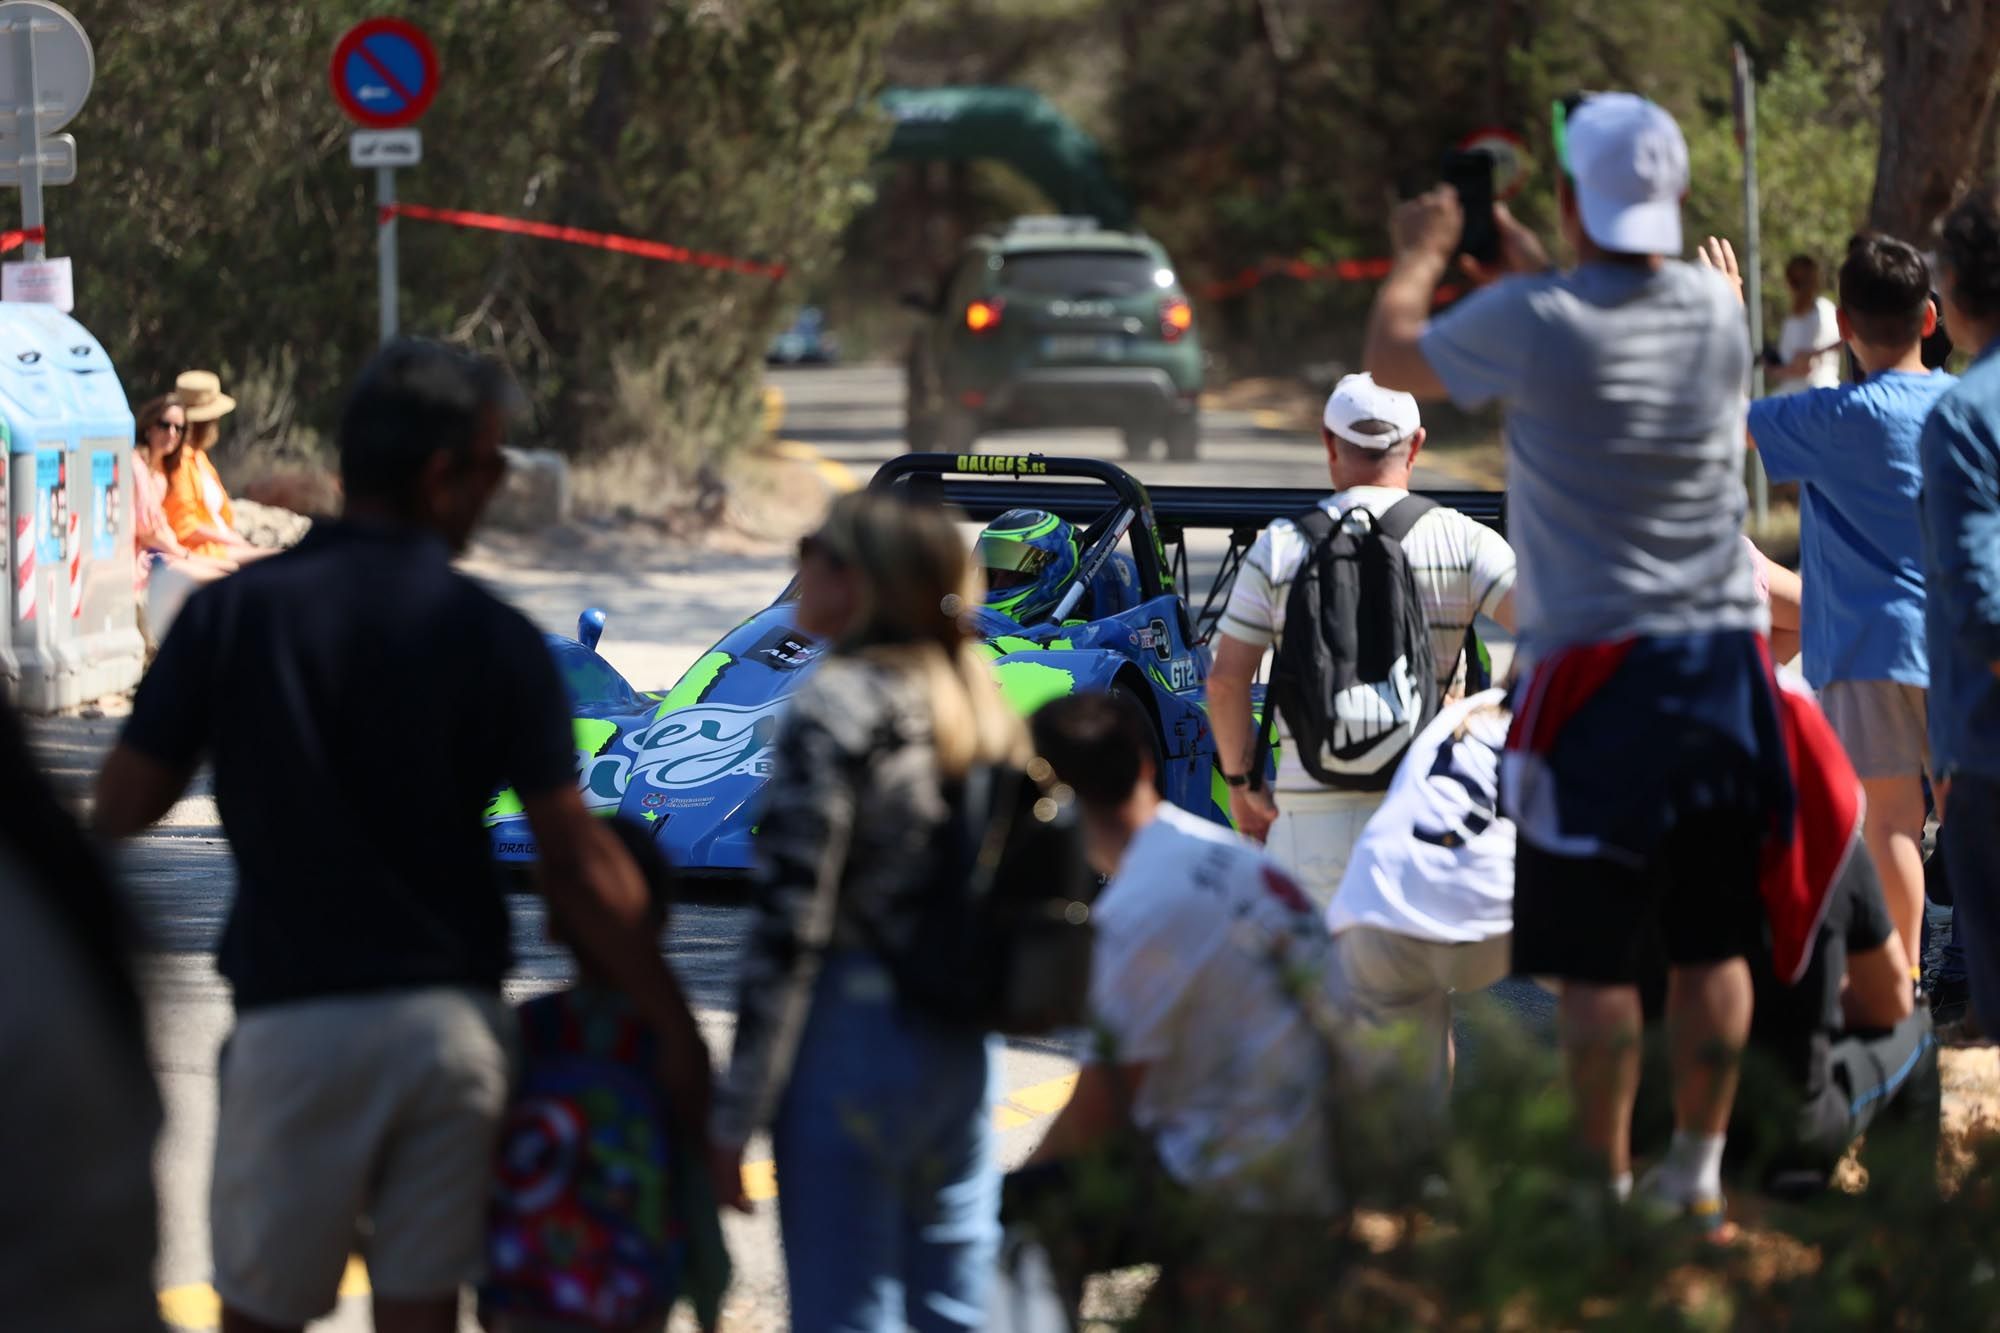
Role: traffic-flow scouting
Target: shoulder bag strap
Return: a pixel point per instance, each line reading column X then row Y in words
column 1401, row 516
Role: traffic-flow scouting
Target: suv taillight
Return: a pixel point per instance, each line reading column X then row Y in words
column 983, row 316
column 1176, row 318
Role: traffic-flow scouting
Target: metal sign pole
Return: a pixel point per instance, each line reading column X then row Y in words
column 1753, row 268
column 385, row 257
column 28, row 133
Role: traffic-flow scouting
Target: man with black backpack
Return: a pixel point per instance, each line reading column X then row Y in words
column 1368, row 602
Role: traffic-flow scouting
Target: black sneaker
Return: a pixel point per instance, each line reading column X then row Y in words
column 1947, row 996
column 1965, row 1030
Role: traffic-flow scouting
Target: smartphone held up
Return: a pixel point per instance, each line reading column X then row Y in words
column 1469, row 172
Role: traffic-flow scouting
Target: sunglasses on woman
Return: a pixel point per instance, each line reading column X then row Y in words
column 174, row 427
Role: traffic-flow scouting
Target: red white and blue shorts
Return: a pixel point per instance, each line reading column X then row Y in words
column 1647, row 779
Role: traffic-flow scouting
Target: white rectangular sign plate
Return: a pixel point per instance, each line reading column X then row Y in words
column 386, row 148
column 58, row 155
column 41, row 281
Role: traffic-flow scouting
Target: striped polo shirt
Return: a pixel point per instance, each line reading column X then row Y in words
column 1463, row 570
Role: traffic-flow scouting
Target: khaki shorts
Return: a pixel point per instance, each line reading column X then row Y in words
column 1882, row 724
column 1395, row 979
column 1314, row 835
column 379, row 1110
column 1399, row 995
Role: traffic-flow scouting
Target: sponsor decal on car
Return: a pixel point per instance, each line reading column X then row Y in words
column 1156, row 638
column 687, row 748
column 1011, row 464
column 786, row 649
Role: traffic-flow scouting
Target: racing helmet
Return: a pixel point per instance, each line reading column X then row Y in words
column 1030, row 558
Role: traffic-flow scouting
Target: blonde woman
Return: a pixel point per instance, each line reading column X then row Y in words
column 880, row 1115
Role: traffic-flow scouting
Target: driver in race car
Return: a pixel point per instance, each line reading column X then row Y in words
column 1031, row 557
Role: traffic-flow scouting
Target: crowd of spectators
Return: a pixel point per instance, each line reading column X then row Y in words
column 1645, row 818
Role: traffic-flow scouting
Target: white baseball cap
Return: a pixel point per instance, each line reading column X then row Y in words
column 1364, row 413
column 1630, row 166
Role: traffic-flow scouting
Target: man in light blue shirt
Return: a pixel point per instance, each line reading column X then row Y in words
column 1960, row 452
column 1853, row 450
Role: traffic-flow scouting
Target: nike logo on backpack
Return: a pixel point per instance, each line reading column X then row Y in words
column 1368, row 713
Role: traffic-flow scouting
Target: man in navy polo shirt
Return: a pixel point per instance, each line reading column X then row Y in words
column 361, row 701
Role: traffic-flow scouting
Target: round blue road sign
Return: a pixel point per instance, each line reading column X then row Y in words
column 384, row 72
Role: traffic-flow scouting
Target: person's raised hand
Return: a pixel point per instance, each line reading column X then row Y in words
column 1717, row 253
column 1521, row 251
column 1428, row 225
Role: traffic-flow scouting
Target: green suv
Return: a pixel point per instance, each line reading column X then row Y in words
column 1058, row 322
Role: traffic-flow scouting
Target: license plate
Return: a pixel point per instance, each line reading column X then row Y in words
column 1082, row 347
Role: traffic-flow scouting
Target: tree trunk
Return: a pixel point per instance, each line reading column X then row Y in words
column 1938, row 63
column 1499, row 55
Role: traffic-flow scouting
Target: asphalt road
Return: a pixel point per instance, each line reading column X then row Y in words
column 854, row 415
column 667, row 605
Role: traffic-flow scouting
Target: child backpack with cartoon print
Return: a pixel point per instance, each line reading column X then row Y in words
column 581, row 1226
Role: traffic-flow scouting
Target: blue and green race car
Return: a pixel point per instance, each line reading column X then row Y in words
column 691, row 762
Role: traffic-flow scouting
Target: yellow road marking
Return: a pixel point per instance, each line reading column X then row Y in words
column 196, row 1306
column 834, row 474
column 1263, row 418
column 774, row 409
column 760, row 1180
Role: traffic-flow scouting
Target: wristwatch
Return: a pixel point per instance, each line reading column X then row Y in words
column 1235, row 779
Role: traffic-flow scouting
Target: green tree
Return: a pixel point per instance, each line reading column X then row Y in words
column 217, row 221
column 1815, row 160
column 1940, row 57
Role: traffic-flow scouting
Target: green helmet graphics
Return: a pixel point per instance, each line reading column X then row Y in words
column 1030, row 558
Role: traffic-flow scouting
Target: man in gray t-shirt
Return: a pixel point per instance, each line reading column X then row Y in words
column 1624, row 393
column 1646, row 766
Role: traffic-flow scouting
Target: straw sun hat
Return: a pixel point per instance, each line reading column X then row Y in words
column 202, row 397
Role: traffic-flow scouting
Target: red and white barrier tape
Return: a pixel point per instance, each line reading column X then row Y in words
column 600, row 240
column 24, row 566
column 14, row 240
column 75, row 565
column 1341, row 270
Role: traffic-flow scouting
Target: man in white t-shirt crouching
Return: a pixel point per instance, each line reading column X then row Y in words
column 1463, row 570
column 1199, row 1132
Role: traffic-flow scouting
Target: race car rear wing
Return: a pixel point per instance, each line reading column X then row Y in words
column 986, row 486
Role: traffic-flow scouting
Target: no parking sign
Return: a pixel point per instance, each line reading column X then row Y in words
column 384, row 73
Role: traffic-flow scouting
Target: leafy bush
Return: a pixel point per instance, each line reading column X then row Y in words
column 1510, row 1235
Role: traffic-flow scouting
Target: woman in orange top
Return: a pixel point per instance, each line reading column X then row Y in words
column 196, row 503
column 167, row 571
